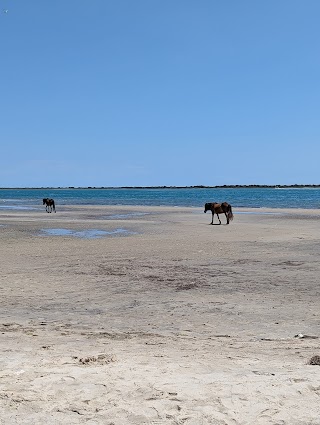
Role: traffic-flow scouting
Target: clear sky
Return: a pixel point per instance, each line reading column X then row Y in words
column 159, row 92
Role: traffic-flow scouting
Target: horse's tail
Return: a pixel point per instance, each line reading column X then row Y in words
column 54, row 206
column 230, row 214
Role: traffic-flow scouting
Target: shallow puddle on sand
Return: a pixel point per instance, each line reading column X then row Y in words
column 125, row 215
column 17, row 207
column 85, row 234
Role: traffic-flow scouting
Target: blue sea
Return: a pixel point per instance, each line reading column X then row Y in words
column 184, row 197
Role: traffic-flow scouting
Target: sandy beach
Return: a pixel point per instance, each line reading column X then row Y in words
column 163, row 319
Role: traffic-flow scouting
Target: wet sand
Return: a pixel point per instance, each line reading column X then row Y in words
column 143, row 315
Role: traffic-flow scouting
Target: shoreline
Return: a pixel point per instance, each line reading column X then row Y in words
column 153, row 208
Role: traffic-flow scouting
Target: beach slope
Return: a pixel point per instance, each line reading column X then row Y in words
column 144, row 315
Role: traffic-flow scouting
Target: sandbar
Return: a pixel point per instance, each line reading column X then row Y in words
column 173, row 321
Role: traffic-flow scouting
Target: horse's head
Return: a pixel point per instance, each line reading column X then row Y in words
column 207, row 207
column 44, row 201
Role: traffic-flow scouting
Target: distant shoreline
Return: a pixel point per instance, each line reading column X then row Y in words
column 235, row 186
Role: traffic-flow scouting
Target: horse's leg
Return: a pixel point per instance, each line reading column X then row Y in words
column 218, row 218
column 227, row 217
column 212, row 217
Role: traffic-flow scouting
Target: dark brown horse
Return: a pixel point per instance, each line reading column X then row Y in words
column 219, row 209
column 50, row 205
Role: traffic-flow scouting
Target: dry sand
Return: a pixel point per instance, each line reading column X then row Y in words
column 178, row 322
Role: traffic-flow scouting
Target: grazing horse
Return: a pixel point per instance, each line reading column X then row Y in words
column 50, row 205
column 219, row 209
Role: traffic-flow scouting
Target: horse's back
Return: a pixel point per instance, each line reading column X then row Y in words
column 218, row 208
column 225, row 206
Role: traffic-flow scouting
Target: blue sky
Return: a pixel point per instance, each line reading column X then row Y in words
column 159, row 92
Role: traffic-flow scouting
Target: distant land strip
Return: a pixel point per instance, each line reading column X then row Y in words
column 231, row 186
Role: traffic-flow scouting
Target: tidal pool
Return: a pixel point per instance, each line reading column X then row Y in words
column 86, row 234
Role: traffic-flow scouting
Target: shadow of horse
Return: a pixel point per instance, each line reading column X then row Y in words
column 50, row 205
column 216, row 208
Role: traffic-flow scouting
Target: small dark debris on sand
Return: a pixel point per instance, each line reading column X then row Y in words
column 315, row 360
column 302, row 336
column 100, row 359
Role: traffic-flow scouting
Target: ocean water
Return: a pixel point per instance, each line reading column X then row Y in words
column 191, row 197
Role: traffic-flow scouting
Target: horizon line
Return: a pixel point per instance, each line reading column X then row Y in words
column 226, row 186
